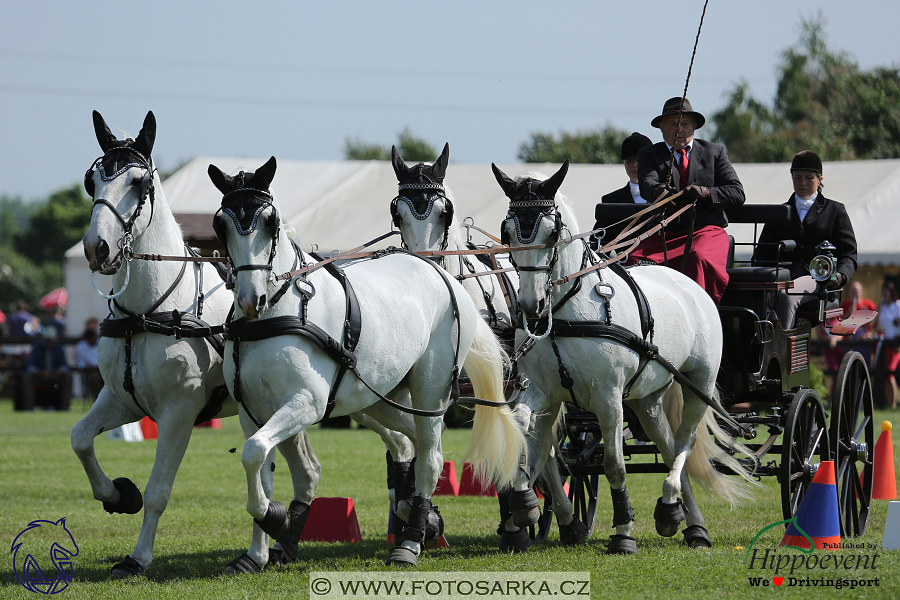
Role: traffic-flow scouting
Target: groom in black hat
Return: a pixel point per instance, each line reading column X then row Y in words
column 631, row 193
column 702, row 172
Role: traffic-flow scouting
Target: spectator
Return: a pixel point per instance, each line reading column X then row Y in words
column 21, row 322
column 2, row 324
column 86, row 360
column 631, row 193
column 47, row 376
column 694, row 243
column 53, row 317
column 888, row 323
column 856, row 301
column 814, row 219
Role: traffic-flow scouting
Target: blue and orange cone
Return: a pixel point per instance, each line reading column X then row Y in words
column 817, row 515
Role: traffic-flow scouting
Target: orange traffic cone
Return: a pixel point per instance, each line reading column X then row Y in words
column 470, row 486
column 817, row 515
column 447, row 484
column 884, row 482
column 149, row 429
column 331, row 520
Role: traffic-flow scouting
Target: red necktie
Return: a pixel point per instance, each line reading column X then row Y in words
column 682, row 169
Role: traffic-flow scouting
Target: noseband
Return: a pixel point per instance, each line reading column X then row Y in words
column 424, row 187
column 218, row 219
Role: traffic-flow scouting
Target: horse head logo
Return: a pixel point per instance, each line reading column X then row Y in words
column 34, row 543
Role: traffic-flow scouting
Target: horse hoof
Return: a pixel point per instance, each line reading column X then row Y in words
column 401, row 557
column 621, row 544
column 697, row 538
column 573, row 534
column 277, row 558
column 126, row 568
column 244, row 564
column 668, row 517
column 515, row 541
column 525, row 507
column 130, row 500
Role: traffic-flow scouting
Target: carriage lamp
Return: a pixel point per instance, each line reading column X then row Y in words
column 823, row 266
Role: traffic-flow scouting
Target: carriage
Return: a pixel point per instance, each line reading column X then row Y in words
column 764, row 382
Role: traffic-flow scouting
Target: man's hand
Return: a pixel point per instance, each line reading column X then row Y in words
column 661, row 189
column 838, row 281
column 699, row 194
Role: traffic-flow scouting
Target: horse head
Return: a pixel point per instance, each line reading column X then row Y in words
column 36, row 541
column 533, row 220
column 423, row 209
column 251, row 249
column 121, row 181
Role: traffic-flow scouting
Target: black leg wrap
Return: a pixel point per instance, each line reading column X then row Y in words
column 276, row 523
column 278, row 558
column 127, row 567
column 243, row 564
column 525, row 507
column 505, row 512
column 130, row 500
column 622, row 513
column 418, row 520
column 405, row 479
column 515, row 541
column 297, row 514
column 434, row 528
column 696, row 537
column 573, row 534
column 668, row 517
column 621, row 544
column 391, row 481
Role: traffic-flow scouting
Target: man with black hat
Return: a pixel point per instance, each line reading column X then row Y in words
column 631, row 193
column 814, row 219
column 694, row 243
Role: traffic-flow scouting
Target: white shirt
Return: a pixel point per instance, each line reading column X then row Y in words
column 804, row 204
column 636, row 193
column 887, row 318
column 85, row 354
column 678, row 152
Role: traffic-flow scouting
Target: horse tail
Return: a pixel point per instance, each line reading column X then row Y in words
column 709, row 449
column 497, row 440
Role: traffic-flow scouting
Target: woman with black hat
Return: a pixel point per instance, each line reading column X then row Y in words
column 695, row 243
column 814, row 219
column 631, row 193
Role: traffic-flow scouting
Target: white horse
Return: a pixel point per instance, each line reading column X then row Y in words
column 584, row 326
column 148, row 371
column 351, row 340
column 424, row 213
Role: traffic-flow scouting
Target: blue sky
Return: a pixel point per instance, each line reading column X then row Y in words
column 295, row 79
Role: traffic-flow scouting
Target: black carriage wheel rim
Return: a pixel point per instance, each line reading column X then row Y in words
column 805, row 436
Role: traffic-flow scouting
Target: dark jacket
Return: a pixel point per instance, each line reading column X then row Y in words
column 620, row 196
column 38, row 357
column 709, row 166
column 826, row 220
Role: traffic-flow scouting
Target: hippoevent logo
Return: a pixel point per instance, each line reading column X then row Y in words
column 35, row 548
column 834, row 568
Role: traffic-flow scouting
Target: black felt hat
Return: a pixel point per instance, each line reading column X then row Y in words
column 633, row 143
column 671, row 107
column 807, row 160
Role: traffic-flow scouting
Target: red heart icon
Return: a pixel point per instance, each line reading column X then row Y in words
column 778, row 580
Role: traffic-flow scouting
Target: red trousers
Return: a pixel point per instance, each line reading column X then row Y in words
column 706, row 261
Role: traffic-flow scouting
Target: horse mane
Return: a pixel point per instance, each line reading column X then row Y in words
column 563, row 204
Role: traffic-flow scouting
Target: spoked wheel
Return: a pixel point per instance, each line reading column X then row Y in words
column 541, row 529
column 852, row 435
column 804, row 444
column 583, row 495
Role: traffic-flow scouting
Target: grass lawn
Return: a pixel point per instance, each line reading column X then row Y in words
column 206, row 524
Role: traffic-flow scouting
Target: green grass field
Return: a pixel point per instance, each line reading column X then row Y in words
column 206, row 523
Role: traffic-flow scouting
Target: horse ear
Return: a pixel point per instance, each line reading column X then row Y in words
column 551, row 185
column 439, row 169
column 147, row 136
column 508, row 185
column 219, row 179
column 264, row 175
column 400, row 168
column 105, row 137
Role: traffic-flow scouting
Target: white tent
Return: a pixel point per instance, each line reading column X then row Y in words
column 338, row 205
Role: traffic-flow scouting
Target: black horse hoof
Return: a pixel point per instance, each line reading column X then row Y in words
column 243, row 564
column 515, row 541
column 621, row 544
column 278, row 558
column 668, row 517
column 573, row 534
column 697, row 538
column 525, row 507
column 126, row 568
column 400, row 556
column 130, row 500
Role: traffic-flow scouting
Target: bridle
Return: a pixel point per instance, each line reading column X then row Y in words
column 438, row 192
column 147, row 190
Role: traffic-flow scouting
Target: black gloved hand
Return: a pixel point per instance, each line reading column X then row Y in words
column 838, row 281
column 699, row 194
column 659, row 189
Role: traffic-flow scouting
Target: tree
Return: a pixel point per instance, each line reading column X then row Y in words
column 586, row 146
column 55, row 226
column 14, row 216
column 412, row 148
column 823, row 102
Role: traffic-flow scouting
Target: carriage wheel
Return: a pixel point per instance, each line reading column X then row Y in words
column 583, row 494
column 805, row 436
column 540, row 530
column 852, row 435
